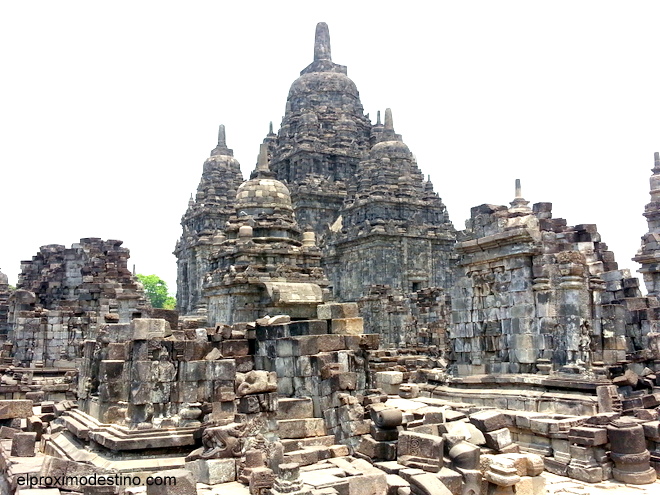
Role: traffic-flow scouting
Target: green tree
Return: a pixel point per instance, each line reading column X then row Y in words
column 156, row 290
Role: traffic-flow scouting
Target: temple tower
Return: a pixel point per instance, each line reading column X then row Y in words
column 649, row 253
column 393, row 235
column 394, row 229
column 323, row 136
column 264, row 263
column 204, row 221
column 4, row 305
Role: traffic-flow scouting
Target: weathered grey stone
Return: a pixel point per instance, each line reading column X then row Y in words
column 174, row 482
column 22, row 444
column 498, row 439
column 150, row 328
column 301, row 428
column 488, row 420
column 10, row 409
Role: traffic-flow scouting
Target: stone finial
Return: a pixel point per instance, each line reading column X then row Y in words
column 262, row 170
column 655, row 181
column 222, row 139
column 519, row 203
column 387, row 132
column 191, row 201
column 389, row 122
column 262, row 159
column 221, row 148
column 378, row 118
column 322, row 42
column 270, row 128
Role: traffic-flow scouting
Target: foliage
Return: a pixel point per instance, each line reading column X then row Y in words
column 157, row 292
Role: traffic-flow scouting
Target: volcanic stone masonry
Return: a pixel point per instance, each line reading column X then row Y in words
column 354, row 185
column 207, row 215
column 263, row 263
column 4, row 305
column 64, row 296
column 335, row 334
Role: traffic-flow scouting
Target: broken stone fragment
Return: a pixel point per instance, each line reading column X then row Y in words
column 465, row 455
column 488, row 420
column 213, row 355
column 278, row 320
column 498, row 439
column 256, row 382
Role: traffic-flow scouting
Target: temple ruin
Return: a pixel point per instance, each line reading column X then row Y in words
column 335, row 334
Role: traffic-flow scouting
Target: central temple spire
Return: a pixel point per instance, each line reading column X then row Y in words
column 322, row 42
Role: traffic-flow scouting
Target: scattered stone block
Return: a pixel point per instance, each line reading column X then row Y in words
column 367, row 484
column 339, row 450
column 389, row 381
column 420, row 451
column 453, row 480
column 498, row 439
column 20, row 408
column 22, row 445
column 7, row 432
column 377, row 451
column 183, row 484
column 488, row 420
column 427, row 484
column 213, row 355
column 531, row 485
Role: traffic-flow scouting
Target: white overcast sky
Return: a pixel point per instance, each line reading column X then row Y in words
column 109, row 109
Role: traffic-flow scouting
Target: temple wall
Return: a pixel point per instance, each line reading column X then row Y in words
column 65, row 295
column 533, row 295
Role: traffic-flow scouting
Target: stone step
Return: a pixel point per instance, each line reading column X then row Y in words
column 65, row 447
column 114, row 440
column 300, row 443
column 295, row 408
column 83, row 418
column 301, row 428
column 308, row 455
column 115, row 437
column 76, row 427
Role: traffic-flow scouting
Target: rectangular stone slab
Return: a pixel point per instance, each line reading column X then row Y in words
column 10, row 409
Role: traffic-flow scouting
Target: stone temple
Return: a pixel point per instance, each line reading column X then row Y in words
column 336, row 334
